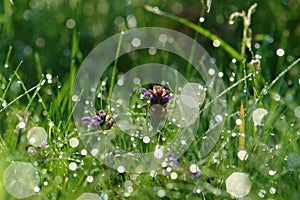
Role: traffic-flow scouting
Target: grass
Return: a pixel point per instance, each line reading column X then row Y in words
column 255, row 78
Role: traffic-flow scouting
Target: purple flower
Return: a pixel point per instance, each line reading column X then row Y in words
column 157, row 95
column 100, row 120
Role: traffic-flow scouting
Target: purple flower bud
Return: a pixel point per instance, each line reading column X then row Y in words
column 31, row 150
column 197, row 174
column 100, row 120
column 43, row 144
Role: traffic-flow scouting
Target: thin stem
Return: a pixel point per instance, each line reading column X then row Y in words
column 114, row 72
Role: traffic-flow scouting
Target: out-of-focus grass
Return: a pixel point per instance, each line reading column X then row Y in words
column 53, row 37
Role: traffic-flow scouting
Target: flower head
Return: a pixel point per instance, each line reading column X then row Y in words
column 157, row 95
column 100, row 120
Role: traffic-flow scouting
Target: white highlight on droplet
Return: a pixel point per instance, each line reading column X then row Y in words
column 280, row 52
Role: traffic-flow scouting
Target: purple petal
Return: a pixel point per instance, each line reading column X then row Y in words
column 197, row 174
column 144, row 90
column 153, row 99
column 87, row 120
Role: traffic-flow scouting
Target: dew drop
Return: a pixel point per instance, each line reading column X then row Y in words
column 216, row 43
column 158, row 153
column 22, row 125
column 136, row 42
column 173, row 175
column 238, row 122
column 36, row 189
column 89, row 179
column 152, row 51
column 194, row 168
column 163, row 38
column 72, row 166
column 258, row 115
column 146, row 139
column 280, row 52
column 201, row 19
column 211, row 71
column 161, row 193
column 36, row 136
column 121, row 169
column 242, row 155
column 70, row 23
column 272, row 190
column 262, row 193
column 238, row 184
column 272, row 172
column 74, row 142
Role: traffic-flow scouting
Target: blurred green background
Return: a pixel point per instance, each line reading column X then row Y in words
column 41, row 30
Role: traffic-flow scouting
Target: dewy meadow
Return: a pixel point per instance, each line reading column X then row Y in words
column 149, row 100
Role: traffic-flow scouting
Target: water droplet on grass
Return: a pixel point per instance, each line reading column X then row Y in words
column 161, row 193
column 121, row 169
column 173, row 175
column 136, row 42
column 22, row 125
column 262, row 193
column 242, row 155
column 36, row 136
column 152, row 51
column 216, row 43
column 238, row 184
column 272, row 190
column 158, row 153
column 194, row 168
column 272, row 172
column 258, row 115
column 280, row 52
column 146, row 139
column 72, row 166
column 74, row 142
column 36, row 189
column 238, row 122
column 89, row 179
